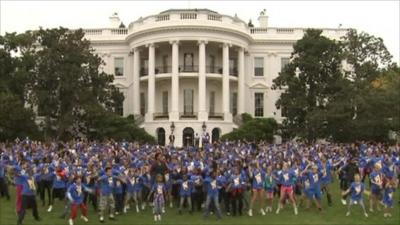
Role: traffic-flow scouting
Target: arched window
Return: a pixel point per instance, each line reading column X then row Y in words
column 161, row 136
column 215, row 133
column 188, row 136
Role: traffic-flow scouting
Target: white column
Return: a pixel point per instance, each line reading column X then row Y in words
column 241, row 81
column 151, row 83
column 225, row 82
column 136, row 81
column 174, row 114
column 202, row 113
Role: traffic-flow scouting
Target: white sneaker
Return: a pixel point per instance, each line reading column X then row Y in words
column 262, row 212
column 344, row 202
column 70, row 222
column 366, row 215
column 159, row 217
column 295, row 211
column 137, row 208
column 111, row 216
column 50, row 208
column 250, row 212
column 163, row 210
column 155, row 218
column 278, row 209
column 348, row 214
column 371, row 209
column 125, row 210
column 143, row 206
column 170, row 205
column 101, row 219
column 84, row 218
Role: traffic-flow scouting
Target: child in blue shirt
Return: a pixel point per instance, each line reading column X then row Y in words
column 356, row 190
column 388, row 193
column 212, row 187
column 185, row 191
column 159, row 190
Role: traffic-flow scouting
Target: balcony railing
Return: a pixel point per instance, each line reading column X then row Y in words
column 233, row 71
column 188, row 115
column 160, row 116
column 163, row 69
column 215, row 116
column 144, row 71
column 188, row 69
column 213, row 69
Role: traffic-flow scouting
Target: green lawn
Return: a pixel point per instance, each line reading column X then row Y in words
column 330, row 215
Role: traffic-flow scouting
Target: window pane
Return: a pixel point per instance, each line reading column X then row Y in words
column 259, row 66
column 284, row 62
column 119, row 66
column 212, row 102
column 188, row 102
column 234, row 103
column 165, row 102
column 142, row 104
column 259, row 104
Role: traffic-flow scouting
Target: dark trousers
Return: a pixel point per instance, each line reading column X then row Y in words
column 28, row 201
column 119, row 202
column 225, row 198
column 4, row 188
column 90, row 198
column 45, row 185
column 197, row 199
column 237, row 202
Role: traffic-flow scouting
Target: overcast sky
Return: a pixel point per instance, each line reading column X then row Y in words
column 379, row 18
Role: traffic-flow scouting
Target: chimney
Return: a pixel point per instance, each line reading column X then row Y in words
column 114, row 20
column 263, row 18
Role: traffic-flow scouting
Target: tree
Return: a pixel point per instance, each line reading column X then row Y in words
column 254, row 129
column 68, row 81
column 368, row 107
column 309, row 81
column 15, row 119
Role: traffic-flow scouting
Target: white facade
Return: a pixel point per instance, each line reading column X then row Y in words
column 191, row 65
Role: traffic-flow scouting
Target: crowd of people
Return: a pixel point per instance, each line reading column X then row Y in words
column 222, row 178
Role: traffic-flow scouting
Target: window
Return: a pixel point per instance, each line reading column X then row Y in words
column 211, row 65
column 142, row 104
column 165, row 64
column 212, row 102
column 234, row 103
column 165, row 102
column 119, row 66
column 283, row 111
column 284, row 62
column 259, row 66
column 233, row 67
column 188, row 102
column 259, row 104
column 188, row 65
column 144, row 69
column 119, row 109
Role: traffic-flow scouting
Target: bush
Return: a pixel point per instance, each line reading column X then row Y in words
column 256, row 129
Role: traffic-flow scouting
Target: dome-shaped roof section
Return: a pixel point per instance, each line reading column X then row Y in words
column 187, row 10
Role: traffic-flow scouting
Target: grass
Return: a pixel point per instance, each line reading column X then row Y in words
column 330, row 215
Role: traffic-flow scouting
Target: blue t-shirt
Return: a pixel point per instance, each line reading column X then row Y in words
column 28, row 185
column 212, row 186
column 185, row 187
column 356, row 190
column 287, row 178
column 376, row 178
column 106, row 184
column 258, row 179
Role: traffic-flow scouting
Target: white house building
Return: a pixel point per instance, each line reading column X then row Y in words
column 188, row 71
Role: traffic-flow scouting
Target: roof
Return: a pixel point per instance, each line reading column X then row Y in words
column 188, row 10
